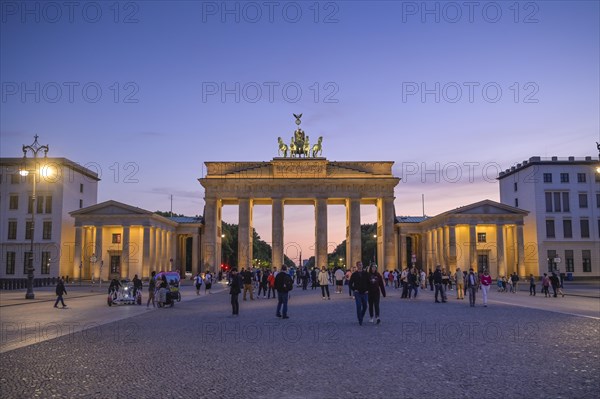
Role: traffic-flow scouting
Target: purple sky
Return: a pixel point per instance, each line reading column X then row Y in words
column 400, row 81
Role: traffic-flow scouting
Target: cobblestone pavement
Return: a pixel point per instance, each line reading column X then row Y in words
column 421, row 349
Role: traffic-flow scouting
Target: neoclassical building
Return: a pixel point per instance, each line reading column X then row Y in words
column 113, row 239
column 483, row 235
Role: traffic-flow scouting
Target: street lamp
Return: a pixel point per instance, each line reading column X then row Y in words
column 34, row 148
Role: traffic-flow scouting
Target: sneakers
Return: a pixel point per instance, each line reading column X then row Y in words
column 278, row 315
column 371, row 320
column 378, row 321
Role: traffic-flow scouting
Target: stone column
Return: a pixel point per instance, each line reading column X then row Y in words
column 195, row 246
column 434, row 246
column 402, row 250
column 212, row 224
column 87, row 250
column 353, row 245
column 520, row 250
column 501, row 264
column 277, row 233
column 173, row 252
column 77, row 259
column 103, row 269
column 387, row 258
column 146, row 253
column 165, row 250
column 473, row 246
column 245, row 233
column 452, row 262
column 429, row 249
column 125, row 254
column 153, row 262
column 321, row 232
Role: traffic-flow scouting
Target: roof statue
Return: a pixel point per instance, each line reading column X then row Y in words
column 300, row 144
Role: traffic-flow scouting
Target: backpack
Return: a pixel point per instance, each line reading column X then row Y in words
column 288, row 283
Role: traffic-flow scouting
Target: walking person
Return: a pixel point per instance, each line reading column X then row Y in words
column 324, row 282
column 413, row 282
column 264, row 283
column 531, row 285
column 234, row 291
column 283, row 284
column 515, row 281
column 437, row 282
column 471, row 285
column 339, row 280
column 247, row 279
column 348, row 277
column 359, row 284
column 60, row 291
column 375, row 287
column 486, row 282
column 430, row 279
column 208, row 279
column 198, row 283
column 460, row 284
column 271, row 282
column 151, row 289
column 546, row 285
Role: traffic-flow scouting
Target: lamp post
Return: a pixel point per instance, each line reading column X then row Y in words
column 35, row 147
column 375, row 249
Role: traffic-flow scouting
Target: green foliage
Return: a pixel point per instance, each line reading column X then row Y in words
column 168, row 214
column 368, row 245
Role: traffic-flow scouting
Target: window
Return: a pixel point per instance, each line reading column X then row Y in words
column 116, row 238
column 515, row 186
column 557, row 201
column 13, row 202
column 15, row 178
column 564, row 177
column 45, row 266
column 583, row 200
column 586, row 256
column 598, row 200
column 565, row 201
column 47, row 230
column 516, row 202
column 580, row 177
column 80, row 203
column 48, row 204
column 547, row 177
column 27, row 261
column 40, row 204
column 584, row 224
column 569, row 261
column 10, row 262
column 551, row 255
column 12, row 230
column 567, row 228
column 30, row 204
column 550, row 233
column 481, row 237
column 81, row 187
column 28, row 229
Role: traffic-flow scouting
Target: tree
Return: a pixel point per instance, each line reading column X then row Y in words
column 368, row 245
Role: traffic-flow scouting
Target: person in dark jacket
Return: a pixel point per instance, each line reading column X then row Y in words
column 60, row 291
column 283, row 284
column 437, row 282
column 375, row 286
column 359, row 284
column 234, row 291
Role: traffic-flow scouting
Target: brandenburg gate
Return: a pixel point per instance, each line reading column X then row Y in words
column 299, row 178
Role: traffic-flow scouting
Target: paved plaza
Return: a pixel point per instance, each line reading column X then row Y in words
column 517, row 347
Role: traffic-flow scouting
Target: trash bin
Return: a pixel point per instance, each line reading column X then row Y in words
column 569, row 276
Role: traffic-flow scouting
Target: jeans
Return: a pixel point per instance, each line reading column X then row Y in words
column 374, row 303
column 325, row 288
column 361, row 305
column 262, row 287
column 271, row 289
column 412, row 288
column 282, row 300
column 532, row 289
column 235, row 305
column 439, row 288
column 484, row 293
column 248, row 287
column 60, row 298
column 472, row 290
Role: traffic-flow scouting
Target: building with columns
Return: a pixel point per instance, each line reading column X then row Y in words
column 483, row 235
column 304, row 181
column 118, row 240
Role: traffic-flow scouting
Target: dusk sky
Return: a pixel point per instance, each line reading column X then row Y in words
column 153, row 89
